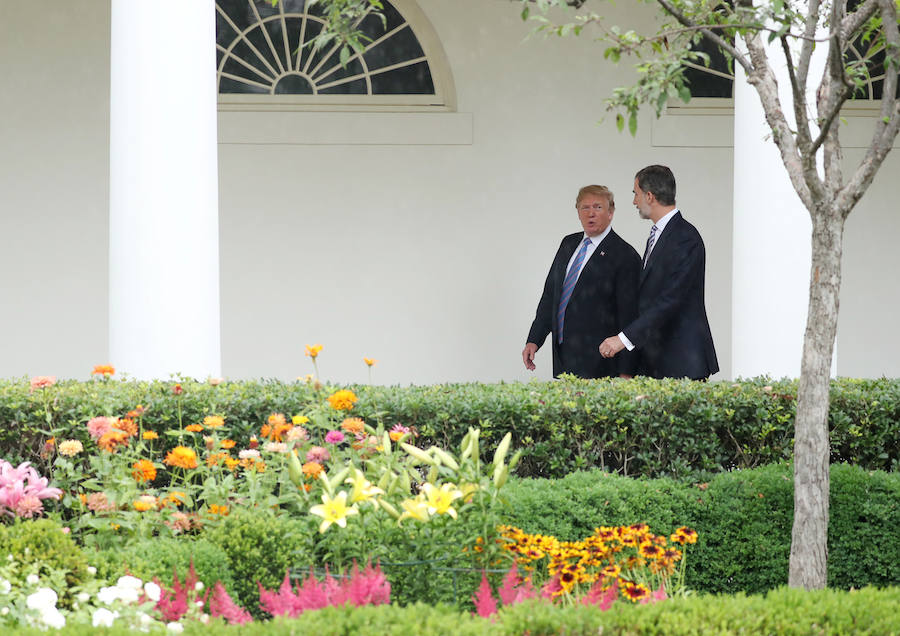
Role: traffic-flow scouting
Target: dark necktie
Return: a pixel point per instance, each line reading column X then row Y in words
column 650, row 242
column 569, row 285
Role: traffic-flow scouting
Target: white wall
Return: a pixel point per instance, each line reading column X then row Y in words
column 428, row 256
column 54, row 148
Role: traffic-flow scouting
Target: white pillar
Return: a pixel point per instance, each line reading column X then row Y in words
column 163, row 221
column 771, row 244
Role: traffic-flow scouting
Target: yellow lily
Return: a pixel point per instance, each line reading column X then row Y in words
column 333, row 510
column 414, row 509
column 439, row 500
column 363, row 490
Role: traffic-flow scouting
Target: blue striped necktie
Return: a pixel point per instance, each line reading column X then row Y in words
column 650, row 242
column 569, row 285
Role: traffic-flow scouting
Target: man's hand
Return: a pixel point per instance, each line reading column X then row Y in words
column 528, row 355
column 611, row 346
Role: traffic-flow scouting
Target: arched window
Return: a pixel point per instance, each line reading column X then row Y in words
column 264, row 58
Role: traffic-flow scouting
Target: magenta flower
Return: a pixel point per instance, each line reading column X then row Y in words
column 334, row 437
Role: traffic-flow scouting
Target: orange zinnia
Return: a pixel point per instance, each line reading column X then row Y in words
column 144, row 503
column 312, row 469
column 193, row 428
column 213, row 421
column 105, row 370
column 182, row 456
column 143, row 470
column 353, row 425
column 215, row 458
column 111, row 440
column 227, row 443
column 128, row 425
column 150, row 435
column 342, row 400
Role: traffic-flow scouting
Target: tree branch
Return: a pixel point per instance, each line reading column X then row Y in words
column 798, row 88
column 739, row 57
column 853, row 21
column 888, row 123
column 806, row 51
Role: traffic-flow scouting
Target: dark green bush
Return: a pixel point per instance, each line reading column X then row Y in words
column 160, row 557
column 43, row 542
column 636, row 427
column 260, row 547
column 743, row 517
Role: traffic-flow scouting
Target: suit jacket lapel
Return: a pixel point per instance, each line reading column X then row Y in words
column 663, row 239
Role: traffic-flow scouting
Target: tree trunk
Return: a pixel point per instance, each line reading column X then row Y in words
column 809, row 538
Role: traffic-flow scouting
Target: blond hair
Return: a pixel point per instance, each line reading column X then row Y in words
column 596, row 190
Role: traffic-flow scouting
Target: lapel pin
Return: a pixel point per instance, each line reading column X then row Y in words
column 602, row 253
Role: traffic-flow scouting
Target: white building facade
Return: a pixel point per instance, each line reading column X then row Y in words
column 411, row 227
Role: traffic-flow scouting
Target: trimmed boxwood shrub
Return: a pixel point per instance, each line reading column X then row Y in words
column 744, row 519
column 635, row 427
column 161, row 557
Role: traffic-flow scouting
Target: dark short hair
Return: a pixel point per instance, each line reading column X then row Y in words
column 660, row 181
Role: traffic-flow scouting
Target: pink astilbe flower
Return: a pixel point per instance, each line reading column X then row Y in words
column 220, row 604
column 369, row 587
column 656, row 596
column 22, row 489
column 485, row 605
column 99, row 426
column 602, row 598
column 514, row 589
column 173, row 604
column 551, row 588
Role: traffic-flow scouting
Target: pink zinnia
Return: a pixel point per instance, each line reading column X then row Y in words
column 28, row 506
column 334, row 437
column 318, row 454
column 99, row 426
column 42, row 381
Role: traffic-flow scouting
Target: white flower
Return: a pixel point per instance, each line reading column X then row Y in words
column 32, row 579
column 84, row 597
column 176, row 628
column 43, row 598
column 91, row 569
column 204, row 618
column 5, row 586
column 9, row 557
column 198, row 586
column 4, row 611
column 103, row 618
column 248, row 453
column 152, row 590
column 129, row 594
column 108, row 595
column 52, row 617
column 129, row 582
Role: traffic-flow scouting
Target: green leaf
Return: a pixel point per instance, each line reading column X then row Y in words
column 620, row 122
column 345, row 55
column 525, row 13
column 632, row 124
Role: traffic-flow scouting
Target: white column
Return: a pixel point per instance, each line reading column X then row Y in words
column 772, row 234
column 163, row 221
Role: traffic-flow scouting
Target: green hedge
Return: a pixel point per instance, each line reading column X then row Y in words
column 635, row 427
column 744, row 520
column 784, row 612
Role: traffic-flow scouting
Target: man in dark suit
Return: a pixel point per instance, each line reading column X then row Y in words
column 591, row 291
column 671, row 332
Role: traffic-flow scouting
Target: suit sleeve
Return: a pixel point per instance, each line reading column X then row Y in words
column 682, row 272
column 543, row 319
column 627, row 283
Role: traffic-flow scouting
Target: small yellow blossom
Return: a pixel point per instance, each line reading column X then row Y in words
column 363, row 490
column 313, row 350
column 414, row 509
column 440, row 500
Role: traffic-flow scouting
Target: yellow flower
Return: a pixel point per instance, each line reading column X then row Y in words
column 150, row 435
column 193, row 428
column 70, row 447
column 181, row 456
column 313, row 350
column 227, row 443
column 354, row 425
column 213, row 421
column 370, row 361
column 414, row 509
column 440, row 499
column 333, row 511
column 144, row 503
column 342, row 400
column 299, row 419
column 363, row 490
